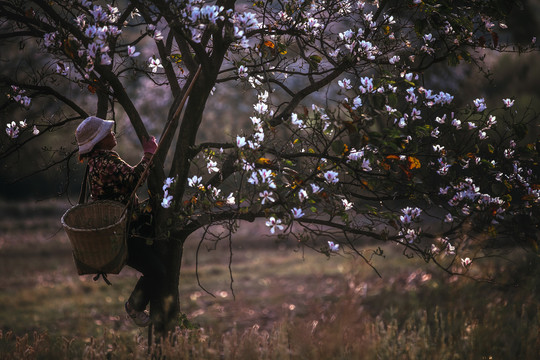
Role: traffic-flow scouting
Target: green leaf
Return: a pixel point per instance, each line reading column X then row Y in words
column 520, row 130
column 338, row 147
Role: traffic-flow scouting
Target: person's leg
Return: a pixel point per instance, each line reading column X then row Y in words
column 144, row 259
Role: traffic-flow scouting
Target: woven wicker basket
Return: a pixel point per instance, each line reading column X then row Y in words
column 97, row 232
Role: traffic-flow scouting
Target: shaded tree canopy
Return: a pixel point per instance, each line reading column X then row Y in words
column 346, row 142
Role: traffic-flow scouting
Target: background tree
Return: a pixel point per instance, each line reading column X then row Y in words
column 347, row 142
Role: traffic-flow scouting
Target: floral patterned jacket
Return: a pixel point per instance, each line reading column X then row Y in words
column 111, row 178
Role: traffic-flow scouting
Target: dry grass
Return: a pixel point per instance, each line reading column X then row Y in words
column 288, row 305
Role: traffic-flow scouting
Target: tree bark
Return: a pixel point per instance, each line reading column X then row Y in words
column 165, row 314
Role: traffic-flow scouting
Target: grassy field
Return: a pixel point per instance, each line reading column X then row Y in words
column 285, row 304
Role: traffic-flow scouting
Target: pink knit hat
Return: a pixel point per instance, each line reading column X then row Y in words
column 91, row 131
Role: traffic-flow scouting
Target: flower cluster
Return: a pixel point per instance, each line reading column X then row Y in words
column 99, row 29
column 17, row 95
column 13, row 129
column 445, row 246
column 167, row 199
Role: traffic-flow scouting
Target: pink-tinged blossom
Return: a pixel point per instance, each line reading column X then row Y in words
column 345, row 84
column 409, row 214
column 448, row 248
column 99, row 14
column 167, row 183
column 240, row 141
column 114, row 13
column 448, row 218
column 347, row 35
column 315, row 188
column 242, row 72
column 265, row 174
column 441, row 120
column 366, row 165
column 367, row 85
column 394, row 59
column 508, row 103
column 333, row 246
column 253, row 145
column 428, row 38
column 62, row 69
column 302, row 195
column 355, row 155
column 255, row 120
column 480, row 104
column 230, row 199
column 274, row 224
column 194, row 181
column 297, row 213
column 472, row 125
column 492, row 120
column 357, row 102
column 402, row 121
column 105, row 59
column 482, row 135
column 92, row 49
column 35, row 130
column 457, row 124
column 49, row 39
column 90, row 31
column 466, row 262
column 253, row 179
column 444, row 167
column 12, row 130
column 331, row 177
column 416, row 114
column 132, row 52
column 167, row 199
column 260, row 107
column 347, row 205
column 266, row 196
column 211, row 166
column 81, row 21
column 410, row 235
column 435, row 132
column 154, row 64
column 444, row 191
column 411, row 97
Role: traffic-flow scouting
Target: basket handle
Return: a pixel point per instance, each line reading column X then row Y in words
column 83, row 193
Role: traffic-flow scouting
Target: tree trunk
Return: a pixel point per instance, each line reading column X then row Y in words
column 165, row 311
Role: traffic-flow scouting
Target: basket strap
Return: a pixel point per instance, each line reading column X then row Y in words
column 82, row 195
column 104, row 276
column 90, row 270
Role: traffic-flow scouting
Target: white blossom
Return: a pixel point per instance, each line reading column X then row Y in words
column 333, row 246
column 297, row 213
column 274, row 224
column 331, row 177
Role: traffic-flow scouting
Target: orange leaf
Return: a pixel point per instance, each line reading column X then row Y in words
column 264, row 161
column 385, row 166
column 414, row 163
column 269, row 44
